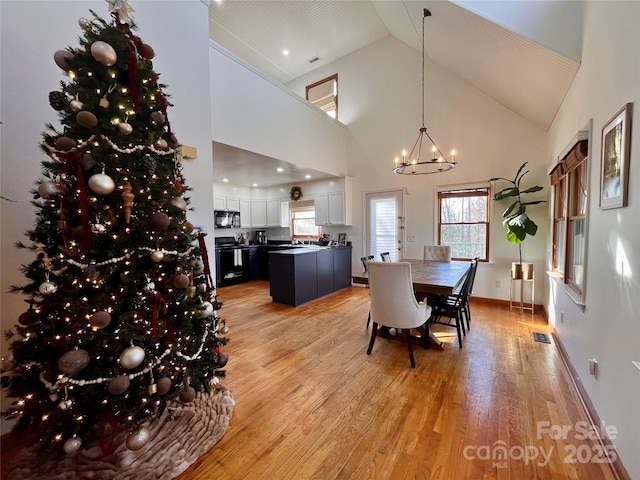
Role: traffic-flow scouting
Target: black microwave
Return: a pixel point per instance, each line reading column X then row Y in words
column 226, row 219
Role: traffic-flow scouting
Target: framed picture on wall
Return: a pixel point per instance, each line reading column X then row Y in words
column 342, row 239
column 616, row 139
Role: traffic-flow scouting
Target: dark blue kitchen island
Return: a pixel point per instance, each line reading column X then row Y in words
column 300, row 275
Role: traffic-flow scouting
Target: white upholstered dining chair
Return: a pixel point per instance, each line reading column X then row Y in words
column 439, row 253
column 393, row 302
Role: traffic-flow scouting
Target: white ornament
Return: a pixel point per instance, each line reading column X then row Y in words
column 206, row 309
column 84, row 23
column 131, row 357
column 138, row 438
column 104, row 53
column 125, row 128
column 48, row 189
column 157, row 256
column 76, row 105
column 101, row 184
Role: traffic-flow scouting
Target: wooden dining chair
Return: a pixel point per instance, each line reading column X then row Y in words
column 455, row 308
column 364, row 261
column 438, row 253
column 393, row 302
column 385, row 256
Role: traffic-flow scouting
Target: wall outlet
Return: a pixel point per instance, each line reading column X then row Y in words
column 497, row 283
column 411, row 238
column 561, row 317
column 593, row 367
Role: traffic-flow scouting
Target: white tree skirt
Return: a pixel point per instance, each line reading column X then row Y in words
column 174, row 444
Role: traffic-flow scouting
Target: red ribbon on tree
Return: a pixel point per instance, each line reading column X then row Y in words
column 158, row 303
column 135, row 46
column 73, row 163
column 205, row 260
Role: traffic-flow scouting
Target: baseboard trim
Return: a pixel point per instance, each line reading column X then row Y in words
column 505, row 303
column 616, row 467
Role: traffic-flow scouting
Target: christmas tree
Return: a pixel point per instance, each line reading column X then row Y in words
column 122, row 322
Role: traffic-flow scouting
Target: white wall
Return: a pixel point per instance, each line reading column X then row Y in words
column 31, row 31
column 608, row 328
column 380, row 102
column 256, row 114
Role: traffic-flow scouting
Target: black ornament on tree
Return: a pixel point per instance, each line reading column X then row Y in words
column 58, row 100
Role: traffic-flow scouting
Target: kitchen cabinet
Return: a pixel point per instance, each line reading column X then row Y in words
column 233, row 205
column 219, row 203
column 254, row 266
column 273, row 212
column 258, row 213
column 301, row 275
column 334, row 208
column 245, row 213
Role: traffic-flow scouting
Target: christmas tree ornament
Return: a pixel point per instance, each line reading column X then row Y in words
column 159, row 222
column 100, row 319
column 150, row 164
column 92, row 273
column 48, row 189
column 150, row 287
column 205, row 309
column 47, row 287
column 161, row 143
column 73, row 362
column 61, row 57
column 84, row 23
column 104, row 53
column 65, row 144
column 138, row 438
column 181, row 281
column 188, row 395
column 164, row 385
column 152, row 388
column 132, row 357
column 188, row 227
column 101, row 184
column 76, row 105
column 224, row 330
column 119, row 385
column 125, row 128
column 72, row 445
column 86, row 119
column 98, row 228
column 191, row 291
column 29, row 317
column 147, row 51
column 157, row 256
column 57, row 100
column 222, row 359
column 66, row 404
column 171, row 139
column 179, row 203
column 158, row 117
column 127, row 201
column 87, row 161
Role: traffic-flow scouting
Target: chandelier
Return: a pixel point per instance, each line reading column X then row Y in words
column 414, row 163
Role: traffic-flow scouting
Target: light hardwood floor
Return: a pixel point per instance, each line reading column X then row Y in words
column 311, row 404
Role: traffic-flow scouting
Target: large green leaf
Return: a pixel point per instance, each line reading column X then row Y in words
column 537, row 188
column 506, row 192
column 530, row 227
column 516, row 234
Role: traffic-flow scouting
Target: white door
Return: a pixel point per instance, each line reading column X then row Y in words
column 384, row 224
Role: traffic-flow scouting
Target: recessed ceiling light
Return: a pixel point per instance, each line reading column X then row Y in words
column 285, row 52
column 225, row 180
column 255, row 184
column 307, row 176
column 280, row 169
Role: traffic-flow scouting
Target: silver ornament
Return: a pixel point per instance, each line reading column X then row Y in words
column 158, row 117
column 125, row 128
column 150, row 287
column 104, row 53
column 179, row 203
column 138, row 438
column 205, row 309
column 73, row 362
column 47, row 288
column 101, row 184
column 161, row 143
column 224, row 330
column 76, row 105
column 48, row 189
column 84, row 23
column 98, row 228
column 131, row 357
column 157, row 256
column 65, row 404
column 72, row 445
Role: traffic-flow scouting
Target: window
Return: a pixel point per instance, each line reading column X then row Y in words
column 324, row 94
column 303, row 220
column 464, row 222
column 570, row 195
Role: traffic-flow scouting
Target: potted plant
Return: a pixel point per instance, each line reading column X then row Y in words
column 515, row 218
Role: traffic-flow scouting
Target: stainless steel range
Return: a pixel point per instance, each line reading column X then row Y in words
column 232, row 261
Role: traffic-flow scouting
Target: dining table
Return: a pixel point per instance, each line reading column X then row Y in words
column 430, row 277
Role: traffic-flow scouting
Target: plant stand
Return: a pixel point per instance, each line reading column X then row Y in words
column 517, row 301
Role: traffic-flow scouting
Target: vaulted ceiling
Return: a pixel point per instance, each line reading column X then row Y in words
column 522, row 53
